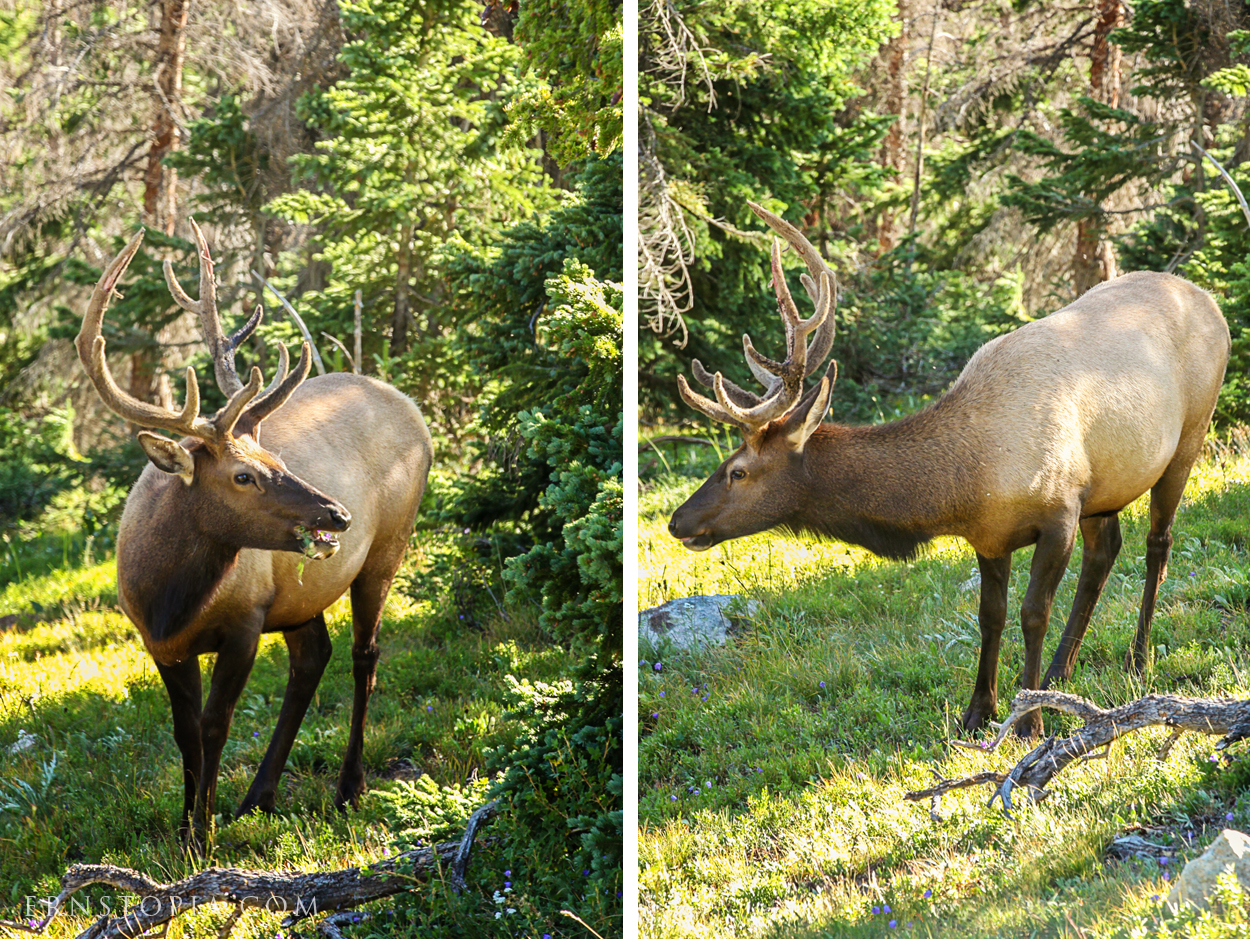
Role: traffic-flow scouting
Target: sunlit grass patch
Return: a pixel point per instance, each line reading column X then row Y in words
column 89, row 771
column 772, row 769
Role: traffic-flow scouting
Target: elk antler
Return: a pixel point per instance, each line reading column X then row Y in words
column 219, row 347
column 783, row 380
column 217, row 430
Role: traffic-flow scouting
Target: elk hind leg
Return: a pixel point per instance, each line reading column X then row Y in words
column 182, row 682
column 308, row 648
column 1101, row 541
column 1050, row 561
column 992, row 617
column 1164, row 499
column 369, row 591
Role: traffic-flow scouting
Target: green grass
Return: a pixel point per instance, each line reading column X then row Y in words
column 102, row 782
column 772, row 770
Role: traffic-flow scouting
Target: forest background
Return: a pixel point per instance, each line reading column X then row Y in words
column 454, row 166
column 965, row 166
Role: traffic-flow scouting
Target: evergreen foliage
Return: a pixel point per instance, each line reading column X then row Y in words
column 576, row 50
column 547, row 308
column 759, row 113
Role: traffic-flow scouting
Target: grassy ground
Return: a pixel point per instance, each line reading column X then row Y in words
column 772, row 770
column 89, row 770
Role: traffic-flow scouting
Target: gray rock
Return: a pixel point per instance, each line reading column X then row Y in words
column 695, row 622
column 1230, row 851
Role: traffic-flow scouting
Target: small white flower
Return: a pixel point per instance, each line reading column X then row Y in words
column 511, row 911
column 498, row 916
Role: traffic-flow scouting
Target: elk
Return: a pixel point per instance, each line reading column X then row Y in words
column 1052, row 428
column 214, row 536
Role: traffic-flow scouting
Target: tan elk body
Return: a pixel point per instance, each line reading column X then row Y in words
column 1054, row 427
column 214, row 543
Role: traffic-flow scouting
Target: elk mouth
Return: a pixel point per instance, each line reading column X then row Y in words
column 700, row 542
column 316, row 544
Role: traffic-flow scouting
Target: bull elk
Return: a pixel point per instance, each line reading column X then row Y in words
column 1054, row 427
column 212, row 542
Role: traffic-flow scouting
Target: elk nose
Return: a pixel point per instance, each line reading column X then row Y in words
column 672, row 527
column 340, row 518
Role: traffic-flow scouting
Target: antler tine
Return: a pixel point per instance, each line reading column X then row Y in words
column 244, row 331
column 706, row 405
column 816, row 266
column 225, row 419
column 280, row 388
column 739, row 396
column 90, row 345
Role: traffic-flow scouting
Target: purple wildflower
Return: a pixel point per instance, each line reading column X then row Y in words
column 927, row 894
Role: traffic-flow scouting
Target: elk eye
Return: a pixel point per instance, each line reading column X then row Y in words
column 243, row 479
column 737, row 474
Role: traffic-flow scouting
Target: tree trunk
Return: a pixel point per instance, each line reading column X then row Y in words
column 161, row 182
column 403, row 277
column 895, row 103
column 1094, row 260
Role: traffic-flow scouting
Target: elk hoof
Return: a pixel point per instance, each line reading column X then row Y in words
column 1029, row 726
column 977, row 715
column 1055, row 674
column 251, row 805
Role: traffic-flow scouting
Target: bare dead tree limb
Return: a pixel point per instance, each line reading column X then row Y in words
column 1225, row 717
column 297, row 894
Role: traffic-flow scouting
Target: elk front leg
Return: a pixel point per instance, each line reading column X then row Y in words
column 182, row 682
column 992, row 617
column 308, row 649
column 1100, row 537
column 368, row 596
column 1050, row 560
column 230, row 673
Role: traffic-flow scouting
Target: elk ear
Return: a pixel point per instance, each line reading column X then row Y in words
column 806, row 416
column 168, row 456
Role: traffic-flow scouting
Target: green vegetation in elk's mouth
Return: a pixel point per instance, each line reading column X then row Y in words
column 772, row 770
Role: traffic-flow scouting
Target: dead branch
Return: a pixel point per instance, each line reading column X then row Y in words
column 298, row 894
column 1226, row 717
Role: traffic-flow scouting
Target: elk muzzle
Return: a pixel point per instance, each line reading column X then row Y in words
column 687, row 530
column 319, row 542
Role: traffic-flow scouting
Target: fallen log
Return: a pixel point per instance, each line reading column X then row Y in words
column 298, row 894
column 1225, row 717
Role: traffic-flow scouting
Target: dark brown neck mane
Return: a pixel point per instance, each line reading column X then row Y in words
column 889, row 488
